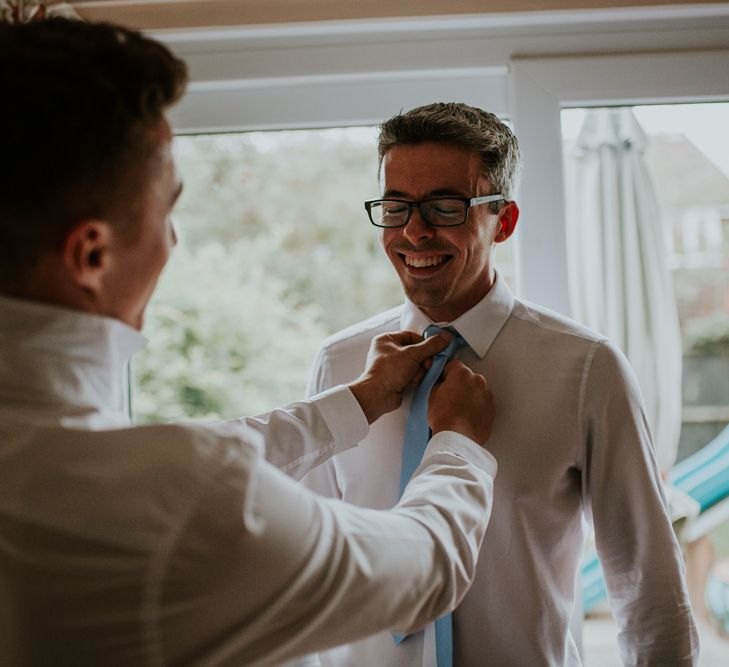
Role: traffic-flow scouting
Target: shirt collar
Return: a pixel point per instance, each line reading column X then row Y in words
column 58, row 358
column 479, row 326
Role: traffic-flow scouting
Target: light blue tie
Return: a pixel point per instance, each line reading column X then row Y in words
column 417, row 435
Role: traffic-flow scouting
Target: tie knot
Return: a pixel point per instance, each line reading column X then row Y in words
column 457, row 341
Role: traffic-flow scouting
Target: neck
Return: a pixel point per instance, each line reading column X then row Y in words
column 48, row 283
column 65, row 364
column 451, row 311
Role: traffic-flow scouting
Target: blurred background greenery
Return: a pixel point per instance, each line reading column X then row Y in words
column 275, row 253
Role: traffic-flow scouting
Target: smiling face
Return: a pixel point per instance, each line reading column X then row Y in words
column 444, row 271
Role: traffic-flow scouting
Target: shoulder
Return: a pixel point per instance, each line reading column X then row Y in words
column 148, row 478
column 550, row 323
column 603, row 363
column 197, row 450
column 181, row 458
column 558, row 340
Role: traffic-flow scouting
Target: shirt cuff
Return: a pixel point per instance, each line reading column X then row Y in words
column 343, row 415
column 459, row 444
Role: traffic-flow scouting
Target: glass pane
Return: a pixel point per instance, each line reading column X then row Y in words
column 686, row 159
column 276, row 252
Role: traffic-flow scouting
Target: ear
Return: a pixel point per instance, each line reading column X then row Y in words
column 87, row 254
column 508, row 218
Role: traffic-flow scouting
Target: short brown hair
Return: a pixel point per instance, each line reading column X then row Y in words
column 80, row 101
column 465, row 126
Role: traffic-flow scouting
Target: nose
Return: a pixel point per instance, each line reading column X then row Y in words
column 417, row 230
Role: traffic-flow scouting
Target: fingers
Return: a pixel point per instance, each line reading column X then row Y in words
column 416, row 348
column 462, row 402
column 428, row 347
column 418, row 377
column 454, row 369
column 404, row 337
column 401, row 358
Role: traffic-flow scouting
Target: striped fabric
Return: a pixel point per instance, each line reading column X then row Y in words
column 705, row 475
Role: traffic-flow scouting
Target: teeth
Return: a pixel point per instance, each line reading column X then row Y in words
column 422, row 262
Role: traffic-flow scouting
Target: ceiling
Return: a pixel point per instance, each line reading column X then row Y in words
column 185, row 14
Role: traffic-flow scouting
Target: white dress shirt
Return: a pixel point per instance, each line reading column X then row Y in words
column 180, row 544
column 571, row 438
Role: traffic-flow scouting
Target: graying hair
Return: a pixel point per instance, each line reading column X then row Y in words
column 461, row 125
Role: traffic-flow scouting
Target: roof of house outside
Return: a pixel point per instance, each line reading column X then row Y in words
column 684, row 176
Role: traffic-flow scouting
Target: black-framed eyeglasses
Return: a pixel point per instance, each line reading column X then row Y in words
column 437, row 211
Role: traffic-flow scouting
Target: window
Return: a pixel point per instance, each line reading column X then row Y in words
column 275, row 253
column 541, row 89
column 678, row 157
column 687, row 156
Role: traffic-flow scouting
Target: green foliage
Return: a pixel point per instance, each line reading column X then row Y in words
column 218, row 325
column 276, row 253
column 708, row 336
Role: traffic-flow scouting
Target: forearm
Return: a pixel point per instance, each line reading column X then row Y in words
column 303, row 435
column 431, row 497
column 318, row 573
column 401, row 569
column 640, row 556
column 645, row 576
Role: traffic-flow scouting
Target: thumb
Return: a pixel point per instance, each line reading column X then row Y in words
column 429, row 347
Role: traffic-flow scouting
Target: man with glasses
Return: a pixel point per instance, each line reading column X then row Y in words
column 570, row 437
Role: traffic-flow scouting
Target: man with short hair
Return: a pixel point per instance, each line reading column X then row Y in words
column 570, row 436
column 180, row 544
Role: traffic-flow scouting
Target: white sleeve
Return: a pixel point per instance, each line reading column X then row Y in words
column 641, row 559
column 266, row 571
column 303, row 435
column 322, row 479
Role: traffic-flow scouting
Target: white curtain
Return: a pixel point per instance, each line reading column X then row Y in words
column 619, row 279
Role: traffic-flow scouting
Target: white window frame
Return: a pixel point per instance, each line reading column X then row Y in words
column 540, row 89
column 320, row 101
